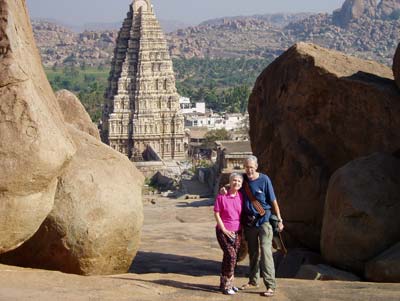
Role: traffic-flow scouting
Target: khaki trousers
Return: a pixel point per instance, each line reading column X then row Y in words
column 260, row 239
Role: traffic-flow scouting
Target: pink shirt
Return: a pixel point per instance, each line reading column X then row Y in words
column 229, row 208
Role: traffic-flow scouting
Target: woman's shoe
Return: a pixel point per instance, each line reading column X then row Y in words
column 229, row 291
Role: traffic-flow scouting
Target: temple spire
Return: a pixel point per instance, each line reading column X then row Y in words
column 145, row 5
column 142, row 104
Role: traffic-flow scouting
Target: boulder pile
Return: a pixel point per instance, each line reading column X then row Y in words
column 312, row 111
column 68, row 202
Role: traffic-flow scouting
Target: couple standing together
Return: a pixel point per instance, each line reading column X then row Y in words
column 236, row 209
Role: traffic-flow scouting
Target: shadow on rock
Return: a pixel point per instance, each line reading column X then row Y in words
column 149, row 262
column 196, row 204
column 186, row 286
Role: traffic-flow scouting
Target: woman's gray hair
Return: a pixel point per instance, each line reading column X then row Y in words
column 252, row 158
column 235, row 175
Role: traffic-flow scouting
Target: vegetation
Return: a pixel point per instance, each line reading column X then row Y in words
column 214, row 135
column 89, row 84
column 224, row 84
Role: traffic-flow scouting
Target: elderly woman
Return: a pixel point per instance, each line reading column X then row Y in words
column 227, row 212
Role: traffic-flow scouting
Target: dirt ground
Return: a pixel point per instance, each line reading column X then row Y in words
column 179, row 259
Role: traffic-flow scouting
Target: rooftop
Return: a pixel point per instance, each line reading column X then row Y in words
column 231, row 147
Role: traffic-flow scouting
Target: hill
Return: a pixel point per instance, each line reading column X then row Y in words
column 371, row 33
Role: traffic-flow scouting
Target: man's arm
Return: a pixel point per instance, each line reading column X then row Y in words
column 277, row 212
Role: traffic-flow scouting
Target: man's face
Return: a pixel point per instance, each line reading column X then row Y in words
column 251, row 169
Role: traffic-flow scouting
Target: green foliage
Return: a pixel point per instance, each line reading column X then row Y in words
column 203, row 164
column 214, row 135
column 88, row 83
column 224, row 84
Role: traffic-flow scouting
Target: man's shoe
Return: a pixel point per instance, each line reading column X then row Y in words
column 249, row 286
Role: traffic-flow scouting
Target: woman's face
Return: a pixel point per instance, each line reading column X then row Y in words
column 236, row 183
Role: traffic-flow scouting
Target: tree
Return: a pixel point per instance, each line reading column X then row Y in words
column 215, row 135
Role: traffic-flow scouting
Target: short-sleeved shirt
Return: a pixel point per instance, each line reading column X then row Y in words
column 230, row 210
column 263, row 191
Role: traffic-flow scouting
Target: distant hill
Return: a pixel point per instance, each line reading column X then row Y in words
column 166, row 25
column 358, row 28
column 277, row 20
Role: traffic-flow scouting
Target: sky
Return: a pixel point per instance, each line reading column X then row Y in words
column 79, row 12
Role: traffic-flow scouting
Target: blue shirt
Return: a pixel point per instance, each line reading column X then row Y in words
column 263, row 191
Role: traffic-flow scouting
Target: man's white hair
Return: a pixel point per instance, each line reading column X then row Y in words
column 252, row 158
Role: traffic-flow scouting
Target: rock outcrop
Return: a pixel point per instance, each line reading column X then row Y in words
column 67, row 201
column 354, row 9
column 396, row 66
column 59, row 45
column 389, row 9
column 94, row 227
column 385, row 267
column 311, row 111
column 34, row 145
column 263, row 37
column 324, row 273
column 362, row 212
column 74, row 113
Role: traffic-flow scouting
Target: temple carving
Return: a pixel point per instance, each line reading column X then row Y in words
column 142, row 103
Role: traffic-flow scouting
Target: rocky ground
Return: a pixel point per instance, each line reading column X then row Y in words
column 179, row 259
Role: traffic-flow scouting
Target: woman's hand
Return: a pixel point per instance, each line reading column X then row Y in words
column 231, row 234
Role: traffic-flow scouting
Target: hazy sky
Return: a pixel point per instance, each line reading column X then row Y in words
column 79, row 12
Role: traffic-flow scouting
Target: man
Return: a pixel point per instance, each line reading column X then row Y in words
column 257, row 229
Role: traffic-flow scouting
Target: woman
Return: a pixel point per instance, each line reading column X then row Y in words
column 227, row 212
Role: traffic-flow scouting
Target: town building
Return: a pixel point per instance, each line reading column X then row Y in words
column 187, row 107
column 215, row 121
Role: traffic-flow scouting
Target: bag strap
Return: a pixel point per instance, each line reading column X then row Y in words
column 256, row 204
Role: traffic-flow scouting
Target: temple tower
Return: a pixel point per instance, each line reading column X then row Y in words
column 142, row 103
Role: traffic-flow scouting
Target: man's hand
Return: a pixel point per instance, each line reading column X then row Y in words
column 223, row 190
column 280, row 226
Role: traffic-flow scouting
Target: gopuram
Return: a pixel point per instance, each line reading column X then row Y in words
column 141, row 112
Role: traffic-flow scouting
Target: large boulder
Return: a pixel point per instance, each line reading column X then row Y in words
column 389, row 9
column 311, row 111
column 354, row 9
column 34, row 145
column 385, row 267
column 396, row 66
column 362, row 211
column 96, row 222
column 74, row 113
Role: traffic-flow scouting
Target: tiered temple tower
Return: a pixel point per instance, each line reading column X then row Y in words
column 142, row 103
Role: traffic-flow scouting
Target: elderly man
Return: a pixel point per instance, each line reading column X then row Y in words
column 259, row 201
